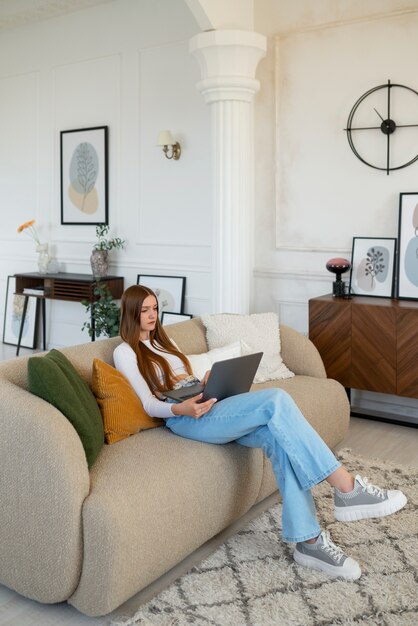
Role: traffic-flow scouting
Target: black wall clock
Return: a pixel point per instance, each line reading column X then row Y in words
column 382, row 127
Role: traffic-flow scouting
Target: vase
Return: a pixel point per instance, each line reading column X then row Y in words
column 99, row 263
column 43, row 257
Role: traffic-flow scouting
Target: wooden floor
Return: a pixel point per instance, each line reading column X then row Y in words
column 390, row 442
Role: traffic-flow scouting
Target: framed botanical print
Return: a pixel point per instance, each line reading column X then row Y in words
column 84, row 176
column 407, row 270
column 373, row 266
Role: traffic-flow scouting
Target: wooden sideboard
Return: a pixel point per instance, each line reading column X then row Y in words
column 62, row 286
column 368, row 343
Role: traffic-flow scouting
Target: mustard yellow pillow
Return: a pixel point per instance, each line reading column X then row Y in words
column 121, row 409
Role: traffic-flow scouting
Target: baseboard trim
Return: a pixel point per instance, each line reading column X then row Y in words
column 390, row 418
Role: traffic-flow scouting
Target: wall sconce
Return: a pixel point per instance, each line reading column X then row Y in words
column 166, row 141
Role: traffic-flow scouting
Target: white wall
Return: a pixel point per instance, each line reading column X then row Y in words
column 312, row 194
column 123, row 64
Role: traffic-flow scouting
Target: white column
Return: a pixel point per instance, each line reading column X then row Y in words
column 228, row 61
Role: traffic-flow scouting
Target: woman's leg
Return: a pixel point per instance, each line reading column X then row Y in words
column 271, row 420
column 299, row 521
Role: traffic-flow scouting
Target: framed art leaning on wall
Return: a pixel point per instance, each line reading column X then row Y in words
column 169, row 290
column 168, row 317
column 13, row 312
column 84, row 173
column 407, row 273
column 372, row 266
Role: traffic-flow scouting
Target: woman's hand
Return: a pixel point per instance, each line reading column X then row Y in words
column 193, row 407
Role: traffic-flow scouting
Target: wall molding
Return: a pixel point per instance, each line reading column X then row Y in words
column 312, row 249
column 172, row 267
column 289, row 302
column 151, row 265
column 154, row 265
column 272, row 273
column 292, row 32
column 90, row 242
column 172, row 244
column 85, row 60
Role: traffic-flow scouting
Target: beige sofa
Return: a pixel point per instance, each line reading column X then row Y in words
column 95, row 539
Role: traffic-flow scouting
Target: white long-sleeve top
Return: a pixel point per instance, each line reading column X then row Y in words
column 125, row 361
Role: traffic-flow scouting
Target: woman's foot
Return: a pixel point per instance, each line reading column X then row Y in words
column 366, row 501
column 325, row 556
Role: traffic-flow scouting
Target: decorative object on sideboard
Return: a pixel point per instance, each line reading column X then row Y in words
column 99, row 260
column 41, row 248
column 372, row 112
column 373, row 266
column 43, row 257
column 84, row 176
column 407, row 287
column 338, row 266
column 169, row 290
column 166, row 142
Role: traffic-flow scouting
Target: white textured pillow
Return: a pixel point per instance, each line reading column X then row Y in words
column 201, row 363
column 257, row 332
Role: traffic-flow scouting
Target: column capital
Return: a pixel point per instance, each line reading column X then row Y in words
column 228, row 61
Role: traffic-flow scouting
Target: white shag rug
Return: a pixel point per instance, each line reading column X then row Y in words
column 252, row 580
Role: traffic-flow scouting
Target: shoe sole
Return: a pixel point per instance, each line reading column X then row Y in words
column 367, row 511
column 334, row 572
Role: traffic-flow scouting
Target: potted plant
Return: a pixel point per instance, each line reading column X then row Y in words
column 99, row 257
column 104, row 313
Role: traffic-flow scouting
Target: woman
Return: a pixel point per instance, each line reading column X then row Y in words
column 267, row 419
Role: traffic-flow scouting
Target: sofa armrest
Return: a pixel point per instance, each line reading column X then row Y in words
column 299, row 353
column 44, row 481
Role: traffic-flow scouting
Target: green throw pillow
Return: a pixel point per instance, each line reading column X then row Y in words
column 55, row 379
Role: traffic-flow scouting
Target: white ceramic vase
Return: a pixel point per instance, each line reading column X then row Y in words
column 43, row 257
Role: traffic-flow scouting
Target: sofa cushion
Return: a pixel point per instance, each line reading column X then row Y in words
column 190, row 336
column 54, row 379
column 122, row 411
column 201, row 363
column 260, row 331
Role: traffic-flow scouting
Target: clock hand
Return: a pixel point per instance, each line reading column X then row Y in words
column 364, row 128
column 387, row 155
column 388, row 99
column 379, row 115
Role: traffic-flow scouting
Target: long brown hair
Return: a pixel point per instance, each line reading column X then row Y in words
column 150, row 364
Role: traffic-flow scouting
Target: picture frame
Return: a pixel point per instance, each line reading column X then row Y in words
column 13, row 311
column 84, row 176
column 170, row 291
column 168, row 317
column 407, row 266
column 373, row 267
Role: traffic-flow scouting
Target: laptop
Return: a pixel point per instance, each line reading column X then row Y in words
column 227, row 378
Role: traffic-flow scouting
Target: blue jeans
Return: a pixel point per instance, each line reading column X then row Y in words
column 270, row 419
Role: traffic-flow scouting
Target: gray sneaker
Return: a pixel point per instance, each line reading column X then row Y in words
column 325, row 556
column 365, row 501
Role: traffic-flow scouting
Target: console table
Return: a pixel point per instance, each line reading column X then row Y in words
column 62, row 286
column 368, row 343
